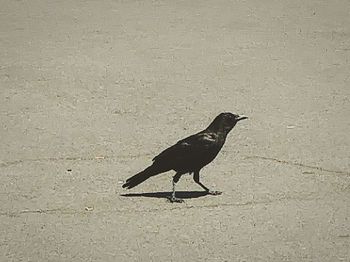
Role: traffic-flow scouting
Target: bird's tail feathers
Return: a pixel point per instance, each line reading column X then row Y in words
column 141, row 176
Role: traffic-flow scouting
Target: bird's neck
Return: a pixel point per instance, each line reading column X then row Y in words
column 217, row 127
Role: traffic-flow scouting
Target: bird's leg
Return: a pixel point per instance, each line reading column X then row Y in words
column 173, row 198
column 210, row 192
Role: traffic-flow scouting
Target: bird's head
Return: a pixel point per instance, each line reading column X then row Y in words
column 225, row 122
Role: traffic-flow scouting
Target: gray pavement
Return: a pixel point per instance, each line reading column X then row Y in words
column 92, row 90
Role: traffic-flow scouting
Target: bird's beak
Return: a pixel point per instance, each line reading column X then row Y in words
column 242, row 117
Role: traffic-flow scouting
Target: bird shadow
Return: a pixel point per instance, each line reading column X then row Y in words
column 167, row 195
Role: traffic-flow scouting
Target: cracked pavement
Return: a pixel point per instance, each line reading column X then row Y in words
column 92, row 90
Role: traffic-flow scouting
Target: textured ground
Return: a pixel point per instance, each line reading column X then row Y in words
column 99, row 87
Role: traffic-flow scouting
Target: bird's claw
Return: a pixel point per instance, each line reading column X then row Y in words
column 214, row 193
column 176, row 200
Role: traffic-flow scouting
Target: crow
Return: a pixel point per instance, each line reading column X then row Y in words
column 190, row 155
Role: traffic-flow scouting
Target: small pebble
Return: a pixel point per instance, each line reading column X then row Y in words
column 89, row 208
column 308, row 172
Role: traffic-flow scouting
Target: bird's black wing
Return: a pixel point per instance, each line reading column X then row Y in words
column 188, row 149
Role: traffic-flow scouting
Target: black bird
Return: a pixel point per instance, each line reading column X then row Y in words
column 191, row 154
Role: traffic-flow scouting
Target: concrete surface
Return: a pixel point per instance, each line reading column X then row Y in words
column 99, row 87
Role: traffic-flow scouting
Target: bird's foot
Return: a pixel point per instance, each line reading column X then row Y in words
column 176, row 200
column 214, row 193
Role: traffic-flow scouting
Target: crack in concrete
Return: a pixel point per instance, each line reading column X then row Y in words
column 151, row 210
column 35, row 211
column 298, row 164
column 78, row 158
column 96, row 158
